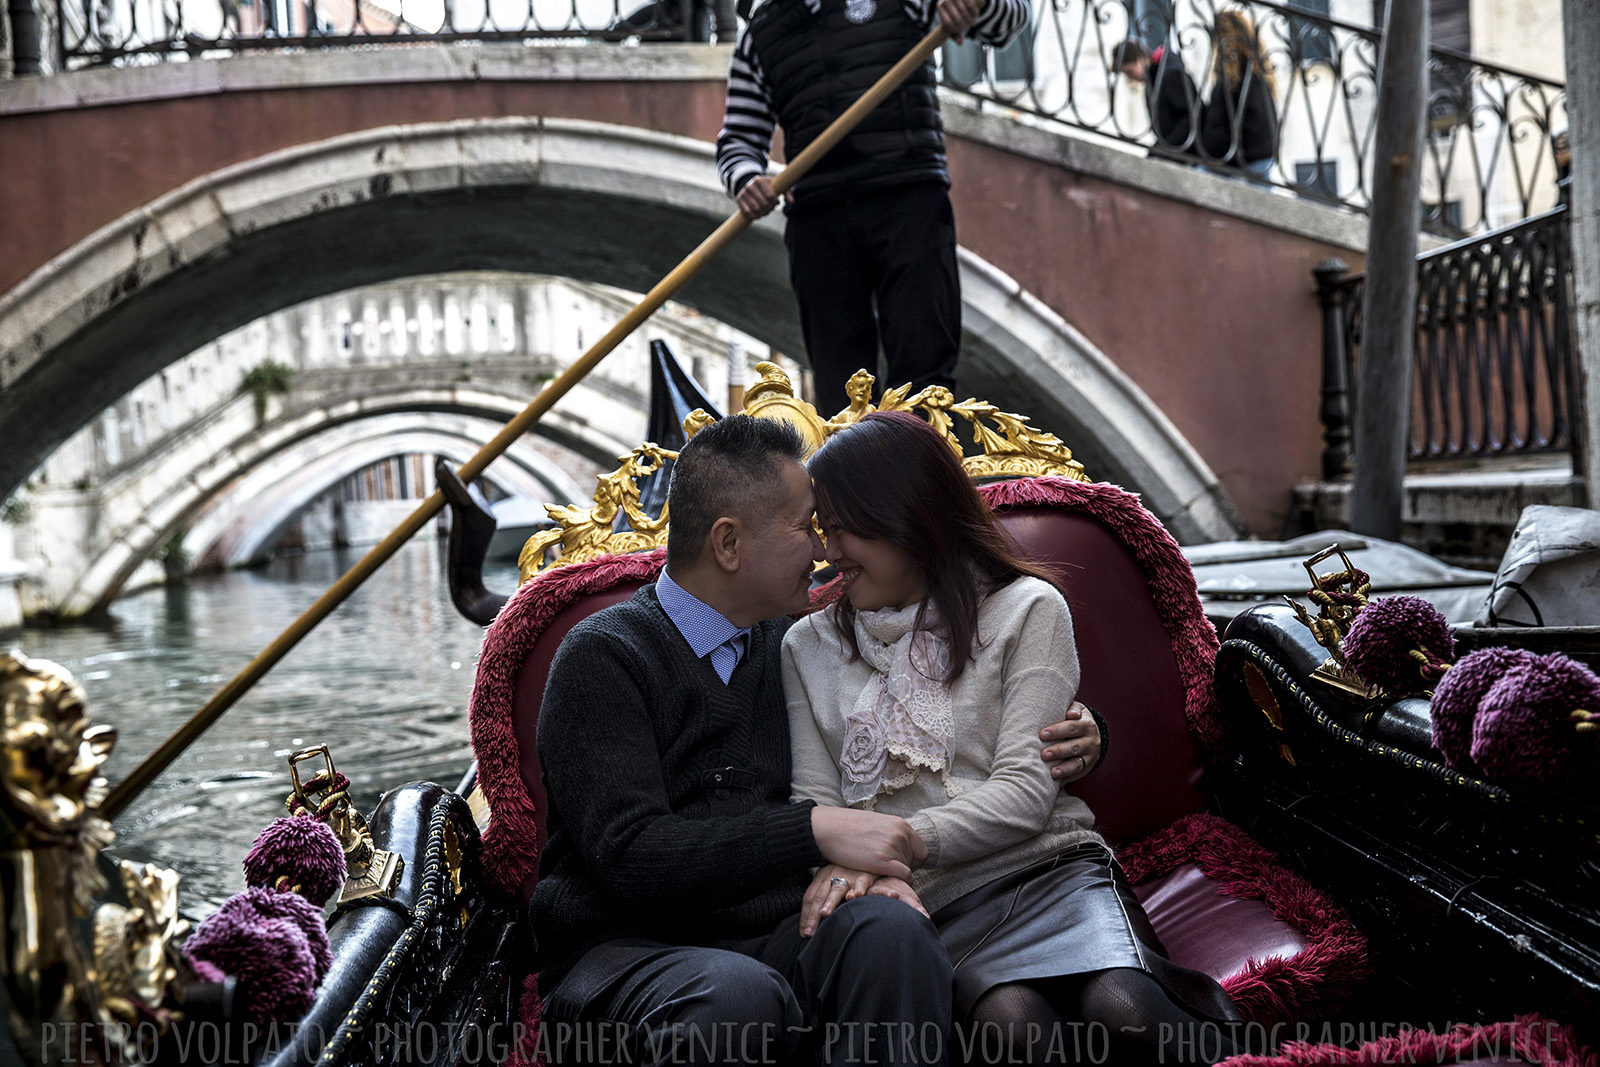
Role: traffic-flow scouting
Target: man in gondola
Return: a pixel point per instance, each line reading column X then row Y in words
column 670, row 887
column 870, row 232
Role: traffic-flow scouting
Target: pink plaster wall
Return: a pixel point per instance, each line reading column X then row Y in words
column 1214, row 317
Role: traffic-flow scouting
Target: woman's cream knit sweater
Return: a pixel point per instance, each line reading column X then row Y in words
column 1009, row 812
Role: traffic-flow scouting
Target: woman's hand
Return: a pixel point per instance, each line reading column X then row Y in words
column 898, row 889
column 831, row 886
column 1072, row 745
column 867, row 840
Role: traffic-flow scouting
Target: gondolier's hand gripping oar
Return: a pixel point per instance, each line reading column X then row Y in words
column 141, row 776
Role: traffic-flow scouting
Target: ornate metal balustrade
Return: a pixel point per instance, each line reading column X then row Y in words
column 102, row 32
column 1493, row 369
column 1489, row 158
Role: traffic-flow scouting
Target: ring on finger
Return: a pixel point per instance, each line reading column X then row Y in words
column 842, row 883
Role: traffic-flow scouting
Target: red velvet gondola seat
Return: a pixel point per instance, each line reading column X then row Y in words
column 1222, row 904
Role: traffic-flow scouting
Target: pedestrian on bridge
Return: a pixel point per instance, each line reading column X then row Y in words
column 1239, row 127
column 1169, row 93
column 870, row 232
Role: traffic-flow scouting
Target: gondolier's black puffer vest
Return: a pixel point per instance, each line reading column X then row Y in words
column 817, row 65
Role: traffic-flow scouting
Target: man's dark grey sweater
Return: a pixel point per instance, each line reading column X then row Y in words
column 669, row 816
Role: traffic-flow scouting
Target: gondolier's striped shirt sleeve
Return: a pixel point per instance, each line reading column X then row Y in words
column 748, row 121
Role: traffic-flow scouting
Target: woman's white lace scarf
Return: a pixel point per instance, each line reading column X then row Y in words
column 902, row 721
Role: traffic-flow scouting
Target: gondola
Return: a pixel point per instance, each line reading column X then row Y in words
column 1477, row 890
column 1299, row 841
column 1291, row 829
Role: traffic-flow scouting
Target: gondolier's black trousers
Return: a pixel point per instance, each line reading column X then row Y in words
column 872, row 986
column 879, row 267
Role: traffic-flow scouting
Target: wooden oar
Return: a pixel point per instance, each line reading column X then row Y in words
column 141, row 776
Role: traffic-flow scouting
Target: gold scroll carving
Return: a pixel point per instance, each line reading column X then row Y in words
column 1003, row 446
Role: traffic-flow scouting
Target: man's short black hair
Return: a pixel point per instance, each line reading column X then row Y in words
column 731, row 467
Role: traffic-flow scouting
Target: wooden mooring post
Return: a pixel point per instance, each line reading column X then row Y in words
column 1389, row 309
column 1582, row 32
column 1335, row 410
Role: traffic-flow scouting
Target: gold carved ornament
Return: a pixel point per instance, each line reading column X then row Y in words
column 583, row 533
column 50, row 794
column 369, row 870
column 1010, row 448
column 1339, row 596
column 136, row 957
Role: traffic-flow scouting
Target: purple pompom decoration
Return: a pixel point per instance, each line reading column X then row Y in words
column 291, row 907
column 1523, row 733
column 1383, row 636
column 204, row 970
column 269, row 957
column 299, row 853
column 1455, row 701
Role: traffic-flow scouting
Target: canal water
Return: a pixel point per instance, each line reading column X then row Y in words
column 383, row 682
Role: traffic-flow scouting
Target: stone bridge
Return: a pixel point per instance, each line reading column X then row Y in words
column 1159, row 319
column 430, row 367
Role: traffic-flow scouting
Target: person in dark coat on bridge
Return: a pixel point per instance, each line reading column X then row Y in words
column 870, row 232
column 1240, row 124
column 1169, row 93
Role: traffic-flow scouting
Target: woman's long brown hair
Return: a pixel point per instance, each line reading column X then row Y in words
column 892, row 477
column 1239, row 49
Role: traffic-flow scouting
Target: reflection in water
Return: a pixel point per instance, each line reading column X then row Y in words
column 383, row 682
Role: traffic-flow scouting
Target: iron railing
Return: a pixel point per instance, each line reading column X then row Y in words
column 1493, row 369
column 1488, row 160
column 122, row 32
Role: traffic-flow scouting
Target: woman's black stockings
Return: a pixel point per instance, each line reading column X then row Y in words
column 1127, row 1018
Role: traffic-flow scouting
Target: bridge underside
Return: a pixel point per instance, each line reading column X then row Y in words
column 230, row 504
column 239, row 525
column 581, row 200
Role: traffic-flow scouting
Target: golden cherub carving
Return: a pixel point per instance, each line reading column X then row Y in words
column 50, row 792
column 52, row 754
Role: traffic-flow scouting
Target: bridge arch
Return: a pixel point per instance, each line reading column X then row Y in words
column 231, row 501
column 585, row 200
column 239, row 524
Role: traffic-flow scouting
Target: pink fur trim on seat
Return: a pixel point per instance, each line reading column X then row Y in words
column 525, row 1049
column 1177, row 601
column 1529, row 1038
column 509, row 853
column 1276, row 989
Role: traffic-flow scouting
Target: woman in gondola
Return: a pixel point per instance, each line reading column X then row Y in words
column 921, row 693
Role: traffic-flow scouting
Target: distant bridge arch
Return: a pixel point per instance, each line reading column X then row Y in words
column 239, row 525
column 585, row 200
column 229, row 500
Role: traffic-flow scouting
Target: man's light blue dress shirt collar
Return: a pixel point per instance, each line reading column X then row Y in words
column 703, row 626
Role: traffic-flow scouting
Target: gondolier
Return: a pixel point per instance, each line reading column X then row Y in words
column 870, row 232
